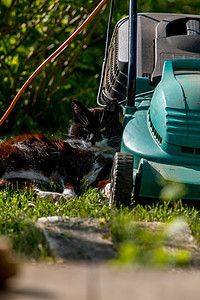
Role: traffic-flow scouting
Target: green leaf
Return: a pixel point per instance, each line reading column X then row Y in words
column 7, row 3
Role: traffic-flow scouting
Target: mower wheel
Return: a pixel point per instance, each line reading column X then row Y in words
column 121, row 179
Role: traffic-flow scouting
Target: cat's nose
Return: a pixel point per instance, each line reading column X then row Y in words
column 93, row 141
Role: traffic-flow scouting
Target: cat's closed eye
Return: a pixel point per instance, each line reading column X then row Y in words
column 102, row 129
column 85, row 129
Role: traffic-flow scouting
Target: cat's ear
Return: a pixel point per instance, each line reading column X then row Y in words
column 80, row 112
column 113, row 106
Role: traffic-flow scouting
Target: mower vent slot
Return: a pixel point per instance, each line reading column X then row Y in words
column 146, row 75
column 190, row 150
column 116, row 72
column 154, row 131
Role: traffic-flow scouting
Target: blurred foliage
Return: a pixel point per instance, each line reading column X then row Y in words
column 153, row 248
column 31, row 30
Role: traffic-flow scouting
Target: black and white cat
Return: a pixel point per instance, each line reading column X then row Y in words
column 86, row 157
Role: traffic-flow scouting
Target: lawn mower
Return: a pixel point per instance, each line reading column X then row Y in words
column 153, row 69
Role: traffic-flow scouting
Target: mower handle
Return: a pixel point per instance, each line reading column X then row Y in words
column 170, row 66
column 132, row 52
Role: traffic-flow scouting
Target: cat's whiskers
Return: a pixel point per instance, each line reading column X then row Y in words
column 106, row 145
column 87, row 145
column 79, row 144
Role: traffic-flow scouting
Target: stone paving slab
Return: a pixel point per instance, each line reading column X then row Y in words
column 84, row 239
column 77, row 239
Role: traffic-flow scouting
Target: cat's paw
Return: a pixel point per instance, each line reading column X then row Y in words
column 104, row 187
column 55, row 196
column 48, row 195
column 68, row 193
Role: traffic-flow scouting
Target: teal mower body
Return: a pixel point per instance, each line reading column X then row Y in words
column 163, row 132
column 161, row 138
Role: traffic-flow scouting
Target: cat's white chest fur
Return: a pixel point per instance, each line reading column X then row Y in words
column 91, row 176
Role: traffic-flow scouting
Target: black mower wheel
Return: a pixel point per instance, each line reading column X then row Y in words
column 121, row 179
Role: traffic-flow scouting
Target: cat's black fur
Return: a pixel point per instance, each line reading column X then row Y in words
column 86, row 157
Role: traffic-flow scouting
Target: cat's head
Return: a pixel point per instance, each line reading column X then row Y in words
column 97, row 129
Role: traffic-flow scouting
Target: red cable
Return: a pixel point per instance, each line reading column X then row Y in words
column 59, row 50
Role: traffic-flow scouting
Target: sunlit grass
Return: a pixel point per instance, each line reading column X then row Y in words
column 19, row 212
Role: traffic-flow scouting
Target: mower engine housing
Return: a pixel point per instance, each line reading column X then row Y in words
column 160, row 37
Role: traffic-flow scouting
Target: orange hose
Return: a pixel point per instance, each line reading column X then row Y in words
column 59, row 50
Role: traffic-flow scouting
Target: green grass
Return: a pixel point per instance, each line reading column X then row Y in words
column 20, row 210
